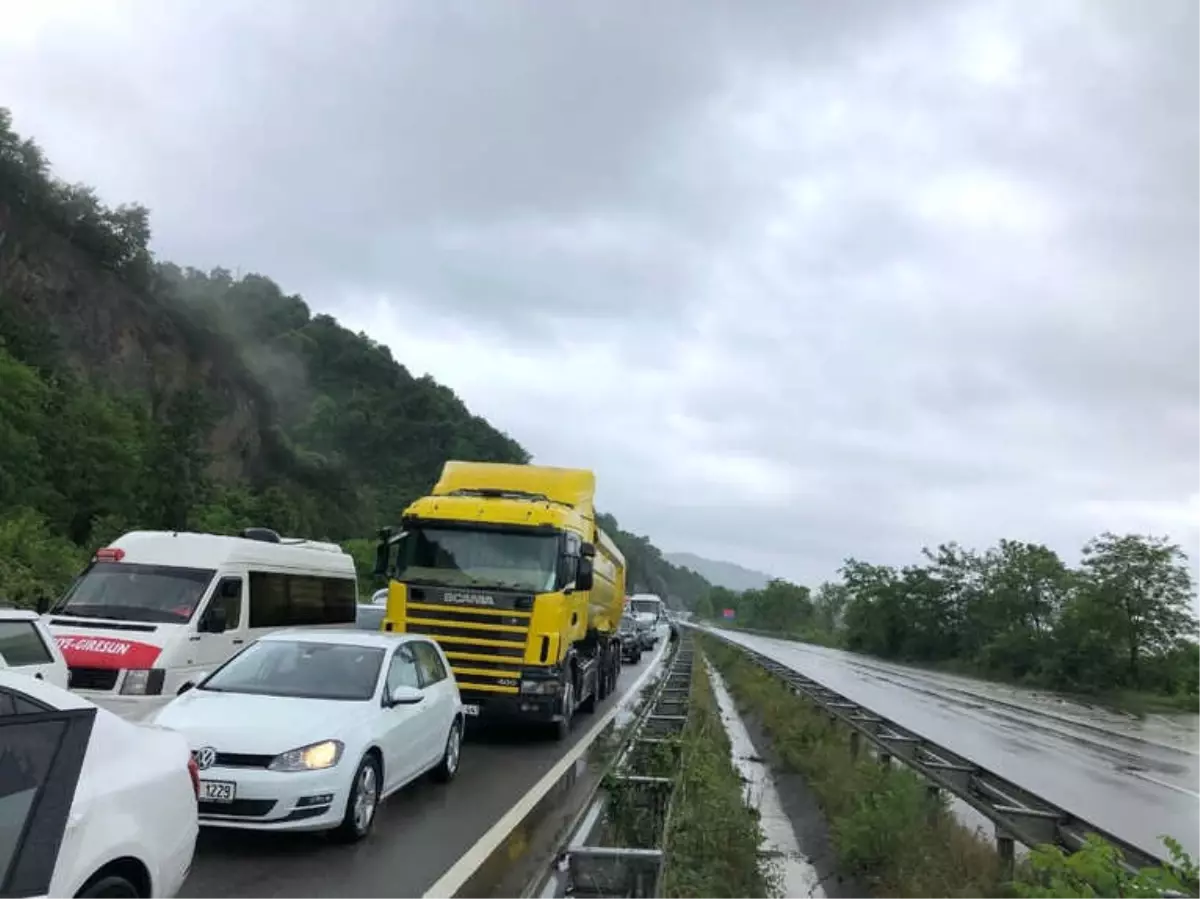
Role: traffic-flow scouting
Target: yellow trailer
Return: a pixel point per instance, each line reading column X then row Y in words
column 505, row 567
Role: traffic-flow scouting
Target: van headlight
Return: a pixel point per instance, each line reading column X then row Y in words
column 143, row 682
column 314, row 757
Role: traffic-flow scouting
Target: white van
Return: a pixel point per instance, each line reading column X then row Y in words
column 156, row 609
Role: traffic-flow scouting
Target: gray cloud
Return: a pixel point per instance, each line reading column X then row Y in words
column 835, row 278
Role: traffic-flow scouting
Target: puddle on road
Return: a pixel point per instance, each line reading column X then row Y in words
column 797, row 876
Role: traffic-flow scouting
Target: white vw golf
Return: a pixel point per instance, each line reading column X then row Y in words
column 310, row 730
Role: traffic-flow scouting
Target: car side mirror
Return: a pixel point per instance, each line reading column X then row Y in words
column 585, row 575
column 191, row 682
column 43, row 605
column 404, row 695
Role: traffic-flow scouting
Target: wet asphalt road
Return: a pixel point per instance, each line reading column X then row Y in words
column 1135, row 779
column 419, row 834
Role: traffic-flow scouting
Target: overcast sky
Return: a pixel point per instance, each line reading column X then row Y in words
column 799, row 280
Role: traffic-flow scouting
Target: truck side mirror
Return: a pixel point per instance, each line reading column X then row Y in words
column 585, row 576
column 587, row 550
column 382, row 557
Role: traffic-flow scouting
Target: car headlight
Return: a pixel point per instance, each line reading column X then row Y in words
column 309, row 758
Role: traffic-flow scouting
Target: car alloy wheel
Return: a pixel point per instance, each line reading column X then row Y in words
column 453, row 748
column 366, row 798
column 448, row 766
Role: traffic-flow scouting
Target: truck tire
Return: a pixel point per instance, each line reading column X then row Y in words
column 588, row 705
column 562, row 729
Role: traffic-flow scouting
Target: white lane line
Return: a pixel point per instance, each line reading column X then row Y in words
column 458, row 873
column 1162, row 783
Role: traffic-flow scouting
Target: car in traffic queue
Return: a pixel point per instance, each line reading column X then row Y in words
column 90, row 804
column 27, row 647
column 311, row 730
column 632, row 639
column 370, row 614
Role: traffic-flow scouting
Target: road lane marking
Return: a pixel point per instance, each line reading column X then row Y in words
column 1162, row 783
column 460, row 872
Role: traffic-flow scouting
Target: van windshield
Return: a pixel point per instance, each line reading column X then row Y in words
column 125, row 591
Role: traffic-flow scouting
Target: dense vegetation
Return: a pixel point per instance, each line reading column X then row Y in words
column 1120, row 624
column 139, row 394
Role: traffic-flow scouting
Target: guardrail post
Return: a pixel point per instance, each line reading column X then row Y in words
column 1005, row 849
column 933, row 795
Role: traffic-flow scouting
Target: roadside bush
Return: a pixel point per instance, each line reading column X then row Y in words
column 889, row 833
column 1096, row 870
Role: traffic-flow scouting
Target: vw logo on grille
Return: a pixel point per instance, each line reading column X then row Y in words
column 205, row 757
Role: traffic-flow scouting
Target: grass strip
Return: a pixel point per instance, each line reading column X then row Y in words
column 889, row 833
column 713, row 837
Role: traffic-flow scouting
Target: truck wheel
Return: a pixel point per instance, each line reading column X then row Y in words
column 562, row 729
column 588, row 705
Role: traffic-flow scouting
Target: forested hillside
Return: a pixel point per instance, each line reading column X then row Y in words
column 135, row 393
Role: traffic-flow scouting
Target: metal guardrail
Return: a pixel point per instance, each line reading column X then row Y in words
column 615, row 847
column 1017, row 815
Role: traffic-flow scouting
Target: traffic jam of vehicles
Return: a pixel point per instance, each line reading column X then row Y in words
column 195, row 680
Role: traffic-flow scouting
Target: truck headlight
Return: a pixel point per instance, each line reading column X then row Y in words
column 540, row 687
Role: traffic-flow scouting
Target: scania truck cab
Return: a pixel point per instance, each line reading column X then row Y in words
column 505, row 567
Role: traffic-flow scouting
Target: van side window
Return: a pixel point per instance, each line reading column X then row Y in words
column 229, row 596
column 429, row 663
column 306, row 600
column 268, row 599
column 293, row 600
column 21, row 644
column 341, row 599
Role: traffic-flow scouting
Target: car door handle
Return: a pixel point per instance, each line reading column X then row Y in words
column 38, row 676
column 236, row 642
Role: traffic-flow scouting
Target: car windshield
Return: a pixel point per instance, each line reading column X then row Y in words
column 301, row 668
column 467, row 558
column 645, row 607
column 131, row 592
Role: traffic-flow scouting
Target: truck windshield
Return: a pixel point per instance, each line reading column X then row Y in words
column 479, row 558
column 131, row 592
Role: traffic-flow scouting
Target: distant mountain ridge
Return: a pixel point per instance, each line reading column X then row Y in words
column 723, row 574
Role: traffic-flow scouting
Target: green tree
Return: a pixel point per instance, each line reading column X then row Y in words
column 1138, row 590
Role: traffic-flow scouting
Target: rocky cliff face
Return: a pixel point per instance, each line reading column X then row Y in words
column 61, row 311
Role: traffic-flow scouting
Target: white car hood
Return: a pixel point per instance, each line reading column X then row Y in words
column 258, row 725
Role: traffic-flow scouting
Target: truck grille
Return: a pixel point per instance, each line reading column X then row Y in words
column 484, row 639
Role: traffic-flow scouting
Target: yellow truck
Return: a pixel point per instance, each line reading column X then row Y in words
column 505, row 567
